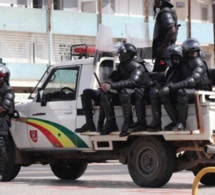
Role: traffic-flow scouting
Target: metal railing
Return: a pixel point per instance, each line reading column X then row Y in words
column 198, row 178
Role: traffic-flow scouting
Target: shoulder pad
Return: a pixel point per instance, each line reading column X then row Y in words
column 167, row 20
column 5, row 88
column 133, row 64
column 138, row 59
column 196, row 62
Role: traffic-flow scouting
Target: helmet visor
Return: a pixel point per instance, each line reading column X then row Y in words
column 118, row 48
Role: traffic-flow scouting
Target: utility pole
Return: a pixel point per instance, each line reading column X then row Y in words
column 189, row 18
column 146, row 10
column 147, row 20
column 50, row 31
column 213, row 7
column 100, row 12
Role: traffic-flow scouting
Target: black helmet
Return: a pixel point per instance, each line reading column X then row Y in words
column 127, row 52
column 202, row 54
column 5, row 72
column 176, row 50
column 190, row 44
column 168, row 3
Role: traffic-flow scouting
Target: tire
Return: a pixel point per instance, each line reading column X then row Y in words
column 151, row 162
column 11, row 169
column 69, row 171
column 208, row 179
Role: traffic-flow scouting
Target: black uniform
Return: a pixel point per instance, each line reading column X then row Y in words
column 165, row 19
column 7, row 102
column 193, row 76
column 133, row 81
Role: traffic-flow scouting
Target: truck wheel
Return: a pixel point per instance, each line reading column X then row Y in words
column 208, row 179
column 151, row 162
column 69, row 171
column 11, row 169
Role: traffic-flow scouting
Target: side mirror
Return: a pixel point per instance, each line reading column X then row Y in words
column 41, row 97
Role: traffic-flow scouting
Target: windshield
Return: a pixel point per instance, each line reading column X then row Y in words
column 39, row 84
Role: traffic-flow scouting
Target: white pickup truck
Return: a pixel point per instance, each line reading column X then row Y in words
column 44, row 132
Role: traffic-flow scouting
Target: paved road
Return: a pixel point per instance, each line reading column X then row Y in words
column 99, row 179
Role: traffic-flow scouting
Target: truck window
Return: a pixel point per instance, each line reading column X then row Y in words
column 61, row 85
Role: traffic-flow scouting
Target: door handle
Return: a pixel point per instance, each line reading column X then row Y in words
column 39, row 114
column 68, row 112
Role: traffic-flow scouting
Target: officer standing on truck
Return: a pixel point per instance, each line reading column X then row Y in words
column 6, row 108
column 194, row 76
column 165, row 33
column 133, row 80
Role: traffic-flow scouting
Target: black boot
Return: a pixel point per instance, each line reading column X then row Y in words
column 155, row 125
column 124, row 130
column 88, row 111
column 169, row 126
column 138, row 126
column 182, row 113
column 140, row 108
column 172, row 113
column 125, row 99
column 179, row 127
column 101, row 120
column 110, row 126
column 88, row 126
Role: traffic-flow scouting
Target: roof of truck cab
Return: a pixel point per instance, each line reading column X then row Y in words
column 74, row 62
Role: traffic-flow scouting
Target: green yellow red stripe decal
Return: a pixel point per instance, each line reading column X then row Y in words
column 57, row 134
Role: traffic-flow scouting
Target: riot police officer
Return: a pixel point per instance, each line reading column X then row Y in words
column 194, row 76
column 172, row 75
column 133, row 80
column 165, row 33
column 6, row 108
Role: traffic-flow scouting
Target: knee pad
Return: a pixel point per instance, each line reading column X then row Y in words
column 138, row 96
column 124, row 96
column 153, row 93
column 182, row 97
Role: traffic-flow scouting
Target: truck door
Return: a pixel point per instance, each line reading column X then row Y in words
column 52, row 117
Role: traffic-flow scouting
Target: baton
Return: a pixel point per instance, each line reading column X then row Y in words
column 97, row 79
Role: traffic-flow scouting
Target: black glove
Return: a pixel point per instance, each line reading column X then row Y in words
column 171, row 86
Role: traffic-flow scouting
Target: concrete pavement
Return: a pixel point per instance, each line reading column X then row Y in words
column 99, row 179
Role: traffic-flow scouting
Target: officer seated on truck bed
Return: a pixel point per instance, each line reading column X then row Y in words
column 133, row 80
column 193, row 75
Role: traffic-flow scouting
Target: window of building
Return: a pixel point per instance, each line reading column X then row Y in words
column 151, row 5
column 22, row 3
column 108, row 6
column 37, row 3
column 204, row 12
column 136, row 8
column 70, row 5
column 8, row 3
column 57, row 5
column 181, row 9
column 122, row 7
column 65, row 5
column 40, row 3
column 89, row 6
